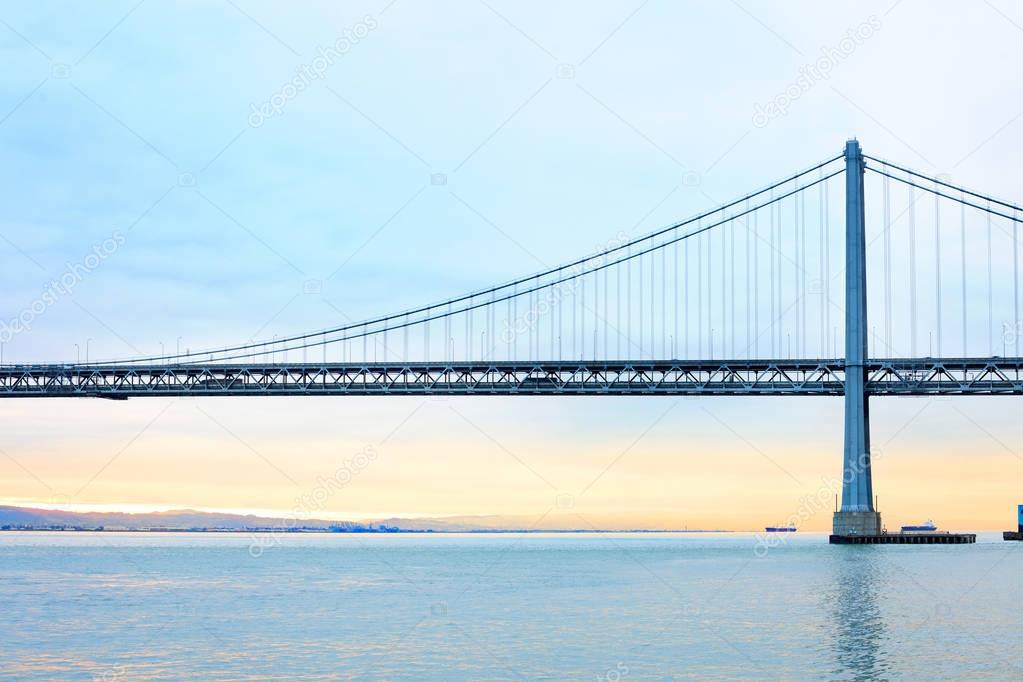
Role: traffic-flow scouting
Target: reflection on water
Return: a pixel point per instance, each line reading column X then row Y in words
column 152, row 607
column 857, row 629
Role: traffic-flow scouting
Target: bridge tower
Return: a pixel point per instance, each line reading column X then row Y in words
column 857, row 515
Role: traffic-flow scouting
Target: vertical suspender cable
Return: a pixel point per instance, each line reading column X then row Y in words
column 596, row 307
column 724, row 300
column 802, row 275
column 1015, row 284
column 820, row 269
column 595, row 311
column 536, row 317
column 596, row 303
column 639, row 304
column 710, row 295
column 699, row 294
column 802, row 280
column 628, row 300
column 771, row 209
column 731, row 288
column 531, row 319
column 912, row 272
column 607, row 352
column 962, row 253
column 990, row 297
column 509, row 327
column 581, row 329
column 937, row 269
column 756, row 284
column 653, row 300
column 886, row 191
column 749, row 337
column 685, row 293
column 447, row 332
column 796, row 249
column 779, row 314
column 551, row 302
column 561, row 328
column 674, row 337
column 827, row 264
column 618, row 310
column 578, row 305
column 664, row 302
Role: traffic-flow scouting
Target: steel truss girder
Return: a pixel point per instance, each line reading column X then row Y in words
column 925, row 376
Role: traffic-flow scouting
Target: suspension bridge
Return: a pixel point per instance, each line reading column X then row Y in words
column 749, row 298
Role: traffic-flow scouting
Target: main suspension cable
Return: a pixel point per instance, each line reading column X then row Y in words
column 362, row 329
column 365, row 324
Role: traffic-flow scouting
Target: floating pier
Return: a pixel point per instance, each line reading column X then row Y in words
column 905, row 539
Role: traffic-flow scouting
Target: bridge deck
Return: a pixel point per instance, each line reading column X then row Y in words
column 925, row 376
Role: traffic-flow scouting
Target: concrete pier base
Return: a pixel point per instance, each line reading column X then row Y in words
column 856, row 523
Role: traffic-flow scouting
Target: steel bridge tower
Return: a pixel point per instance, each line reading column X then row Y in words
column 857, row 515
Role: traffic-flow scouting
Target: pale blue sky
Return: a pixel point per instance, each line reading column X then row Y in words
column 556, row 126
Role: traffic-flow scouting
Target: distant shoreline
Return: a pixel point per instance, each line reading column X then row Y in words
column 348, row 532
column 194, row 521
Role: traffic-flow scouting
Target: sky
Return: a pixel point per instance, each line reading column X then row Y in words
column 443, row 148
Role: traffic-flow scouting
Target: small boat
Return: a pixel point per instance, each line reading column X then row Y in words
column 926, row 527
column 780, row 529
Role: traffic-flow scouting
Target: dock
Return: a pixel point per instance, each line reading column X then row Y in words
column 905, row 539
column 1009, row 535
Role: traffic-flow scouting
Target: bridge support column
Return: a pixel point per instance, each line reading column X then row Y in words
column 857, row 515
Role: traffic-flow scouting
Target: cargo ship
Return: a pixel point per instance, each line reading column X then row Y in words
column 780, row 529
column 925, row 527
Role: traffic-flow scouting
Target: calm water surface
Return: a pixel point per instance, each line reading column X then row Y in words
column 122, row 606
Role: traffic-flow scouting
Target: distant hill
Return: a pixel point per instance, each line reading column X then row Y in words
column 13, row 518
column 182, row 519
column 185, row 519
